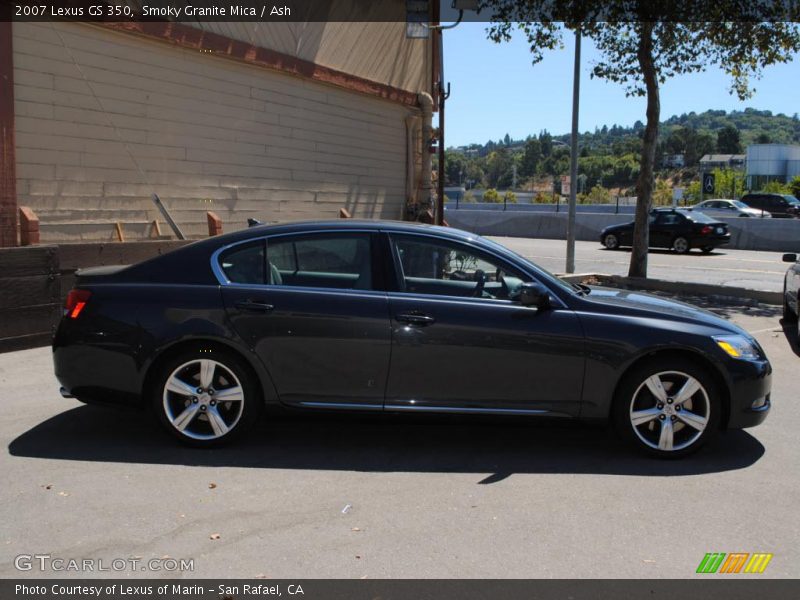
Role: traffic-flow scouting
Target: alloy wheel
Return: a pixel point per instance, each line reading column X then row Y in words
column 681, row 245
column 611, row 242
column 203, row 399
column 669, row 411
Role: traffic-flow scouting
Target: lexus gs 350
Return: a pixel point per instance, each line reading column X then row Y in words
column 397, row 318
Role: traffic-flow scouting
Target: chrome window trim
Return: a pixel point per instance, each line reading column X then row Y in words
column 216, row 268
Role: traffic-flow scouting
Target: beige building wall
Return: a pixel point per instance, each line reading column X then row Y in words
column 104, row 119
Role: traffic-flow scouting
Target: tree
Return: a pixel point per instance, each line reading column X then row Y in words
column 641, row 48
column 794, row 186
column 530, row 158
column 763, row 138
column 728, row 140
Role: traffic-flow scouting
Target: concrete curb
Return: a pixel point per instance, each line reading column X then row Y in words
column 722, row 292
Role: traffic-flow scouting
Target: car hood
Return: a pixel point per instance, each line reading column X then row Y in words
column 648, row 305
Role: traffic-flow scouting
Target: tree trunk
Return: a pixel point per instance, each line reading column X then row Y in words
column 646, row 182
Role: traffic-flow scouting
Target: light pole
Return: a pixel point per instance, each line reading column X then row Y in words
column 573, row 167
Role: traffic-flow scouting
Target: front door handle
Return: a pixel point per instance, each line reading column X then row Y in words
column 254, row 306
column 415, row 318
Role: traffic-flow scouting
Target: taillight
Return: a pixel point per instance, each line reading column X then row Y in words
column 76, row 302
column 706, row 230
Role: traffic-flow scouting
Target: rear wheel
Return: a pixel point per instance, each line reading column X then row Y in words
column 707, row 249
column 681, row 245
column 667, row 407
column 205, row 397
column 611, row 242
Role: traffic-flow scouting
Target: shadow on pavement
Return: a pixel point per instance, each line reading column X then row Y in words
column 381, row 443
column 790, row 331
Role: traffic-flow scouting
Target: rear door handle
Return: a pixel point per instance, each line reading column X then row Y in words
column 254, row 306
column 415, row 318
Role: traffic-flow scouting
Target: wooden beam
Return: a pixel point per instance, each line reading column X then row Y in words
column 118, row 230
column 8, row 164
column 28, row 227
column 214, row 224
column 344, row 214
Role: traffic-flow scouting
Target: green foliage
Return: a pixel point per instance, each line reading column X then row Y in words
column 469, row 197
column 777, row 187
column 598, row 195
column 510, row 197
column 492, row 196
column 729, row 141
column 692, row 193
column 542, row 198
column 794, row 186
column 728, row 183
column 662, row 195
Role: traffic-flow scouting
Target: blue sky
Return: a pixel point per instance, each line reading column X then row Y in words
column 495, row 90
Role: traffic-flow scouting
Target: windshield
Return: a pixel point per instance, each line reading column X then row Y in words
column 791, row 199
column 544, row 274
column 740, row 204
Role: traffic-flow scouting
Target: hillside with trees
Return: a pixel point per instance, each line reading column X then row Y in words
column 609, row 156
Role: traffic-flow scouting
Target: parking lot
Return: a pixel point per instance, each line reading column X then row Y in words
column 724, row 266
column 374, row 497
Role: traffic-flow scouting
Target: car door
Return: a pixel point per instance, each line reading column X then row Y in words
column 663, row 229
column 314, row 313
column 460, row 343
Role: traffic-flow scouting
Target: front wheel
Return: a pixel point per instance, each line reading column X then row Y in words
column 788, row 313
column 611, row 242
column 681, row 245
column 667, row 407
column 205, row 397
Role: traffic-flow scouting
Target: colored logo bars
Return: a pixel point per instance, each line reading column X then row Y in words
column 736, row 562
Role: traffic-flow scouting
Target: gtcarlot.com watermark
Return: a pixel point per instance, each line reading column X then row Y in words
column 48, row 562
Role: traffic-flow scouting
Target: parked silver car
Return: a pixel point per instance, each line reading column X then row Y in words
column 791, row 292
column 721, row 208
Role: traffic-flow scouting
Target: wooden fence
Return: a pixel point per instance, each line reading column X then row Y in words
column 34, row 281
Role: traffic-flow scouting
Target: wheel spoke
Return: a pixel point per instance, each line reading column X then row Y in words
column 665, row 440
column 689, row 389
column 186, row 417
column 640, row 417
column 656, row 388
column 177, row 386
column 231, row 394
column 217, row 422
column 207, row 368
column 692, row 419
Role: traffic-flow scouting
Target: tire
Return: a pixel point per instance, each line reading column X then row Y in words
column 636, row 403
column 611, row 242
column 788, row 314
column 681, row 245
column 707, row 249
column 210, row 415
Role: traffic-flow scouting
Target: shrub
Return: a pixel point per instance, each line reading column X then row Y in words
column 510, row 197
column 491, row 195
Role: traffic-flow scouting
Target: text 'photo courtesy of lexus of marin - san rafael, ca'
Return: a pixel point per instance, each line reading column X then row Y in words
column 397, row 318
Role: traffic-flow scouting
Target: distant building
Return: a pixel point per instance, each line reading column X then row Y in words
column 673, row 161
column 771, row 162
column 722, row 161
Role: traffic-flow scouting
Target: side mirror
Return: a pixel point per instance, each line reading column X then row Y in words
column 534, row 294
column 790, row 258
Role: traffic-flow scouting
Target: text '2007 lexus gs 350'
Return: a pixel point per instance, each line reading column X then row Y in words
column 396, row 317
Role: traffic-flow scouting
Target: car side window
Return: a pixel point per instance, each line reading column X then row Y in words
column 444, row 268
column 341, row 261
column 669, row 219
column 245, row 263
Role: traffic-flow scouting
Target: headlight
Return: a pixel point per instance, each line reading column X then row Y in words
column 737, row 346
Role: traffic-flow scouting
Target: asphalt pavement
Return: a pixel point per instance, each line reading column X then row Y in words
column 353, row 497
column 738, row 268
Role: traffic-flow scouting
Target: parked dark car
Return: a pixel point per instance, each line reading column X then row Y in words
column 778, row 205
column 791, row 292
column 679, row 229
column 397, row 318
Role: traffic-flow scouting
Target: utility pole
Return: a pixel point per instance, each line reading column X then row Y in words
column 573, row 167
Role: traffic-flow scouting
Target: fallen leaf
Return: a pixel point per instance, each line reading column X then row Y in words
column 261, row 576
column 356, row 529
column 358, row 556
column 63, row 493
column 648, row 560
column 48, row 486
column 215, row 536
column 211, row 486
